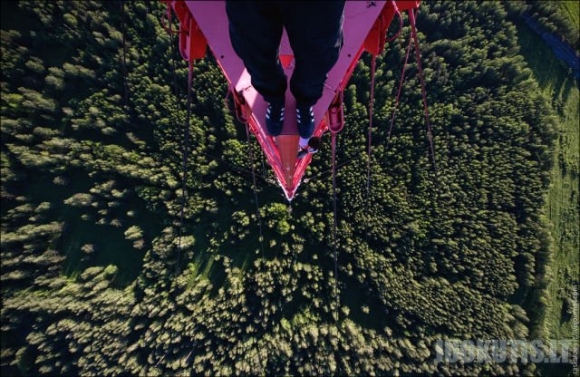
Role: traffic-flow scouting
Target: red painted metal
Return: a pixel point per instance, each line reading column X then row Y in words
column 192, row 42
column 204, row 23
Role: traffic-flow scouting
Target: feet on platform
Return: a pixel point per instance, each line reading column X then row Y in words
column 275, row 117
column 305, row 119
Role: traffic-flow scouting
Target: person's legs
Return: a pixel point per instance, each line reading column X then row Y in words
column 315, row 33
column 255, row 31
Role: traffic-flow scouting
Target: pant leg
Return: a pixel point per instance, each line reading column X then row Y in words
column 255, row 29
column 315, row 34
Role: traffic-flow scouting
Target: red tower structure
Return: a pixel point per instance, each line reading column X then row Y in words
column 205, row 23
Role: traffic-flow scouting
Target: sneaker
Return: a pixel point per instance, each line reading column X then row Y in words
column 305, row 120
column 304, row 151
column 313, row 145
column 274, row 118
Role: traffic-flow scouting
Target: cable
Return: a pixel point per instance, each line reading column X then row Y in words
column 334, row 228
column 185, row 143
column 423, row 91
column 254, row 186
column 370, row 135
column 185, row 157
column 401, row 81
column 125, row 82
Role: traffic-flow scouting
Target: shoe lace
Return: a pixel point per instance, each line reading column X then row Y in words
column 305, row 115
column 275, row 112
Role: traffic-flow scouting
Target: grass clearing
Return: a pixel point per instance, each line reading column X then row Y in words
column 572, row 10
column 557, row 83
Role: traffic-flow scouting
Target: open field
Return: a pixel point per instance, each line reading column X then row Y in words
column 557, row 82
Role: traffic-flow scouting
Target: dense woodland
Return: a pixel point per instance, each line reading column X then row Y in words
column 100, row 276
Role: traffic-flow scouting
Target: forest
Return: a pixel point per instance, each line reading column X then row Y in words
column 107, row 271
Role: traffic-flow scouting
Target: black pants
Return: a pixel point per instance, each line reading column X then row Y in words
column 314, row 31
